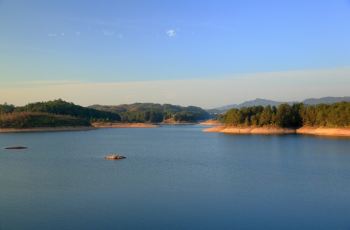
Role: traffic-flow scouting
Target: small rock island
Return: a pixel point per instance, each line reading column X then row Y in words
column 114, row 156
column 16, row 147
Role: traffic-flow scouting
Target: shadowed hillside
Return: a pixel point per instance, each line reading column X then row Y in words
column 61, row 107
column 19, row 120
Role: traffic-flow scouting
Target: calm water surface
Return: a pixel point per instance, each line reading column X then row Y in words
column 173, row 178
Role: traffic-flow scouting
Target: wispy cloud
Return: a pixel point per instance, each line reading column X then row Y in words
column 108, row 32
column 282, row 86
column 56, row 34
column 171, row 33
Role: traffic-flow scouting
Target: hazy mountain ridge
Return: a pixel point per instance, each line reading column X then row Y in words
column 325, row 100
column 265, row 102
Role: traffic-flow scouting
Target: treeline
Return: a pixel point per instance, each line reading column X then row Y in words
column 20, row 120
column 61, row 113
column 334, row 115
column 55, row 113
column 155, row 113
column 291, row 116
column 60, row 107
column 6, row 108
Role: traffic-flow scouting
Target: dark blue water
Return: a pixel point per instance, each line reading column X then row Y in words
column 173, row 178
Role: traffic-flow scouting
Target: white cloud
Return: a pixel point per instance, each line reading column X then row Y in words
column 171, row 33
column 52, row 35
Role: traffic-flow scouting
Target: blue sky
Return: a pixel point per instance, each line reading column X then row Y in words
column 136, row 41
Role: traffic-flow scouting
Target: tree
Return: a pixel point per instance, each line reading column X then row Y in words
column 6, row 108
column 266, row 116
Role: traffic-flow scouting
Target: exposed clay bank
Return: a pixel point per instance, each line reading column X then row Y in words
column 319, row 131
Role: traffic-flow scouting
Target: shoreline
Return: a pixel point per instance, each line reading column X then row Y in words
column 123, row 125
column 94, row 126
column 211, row 122
column 172, row 121
column 315, row 131
column 321, row 131
column 138, row 124
column 216, row 128
column 250, row 130
column 46, row 129
column 178, row 123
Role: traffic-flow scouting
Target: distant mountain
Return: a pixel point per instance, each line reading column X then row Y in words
column 256, row 102
column 259, row 102
column 222, row 108
column 265, row 102
column 325, row 100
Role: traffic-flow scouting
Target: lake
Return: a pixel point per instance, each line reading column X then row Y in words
column 174, row 177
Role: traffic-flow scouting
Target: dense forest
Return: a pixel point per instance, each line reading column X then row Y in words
column 6, row 108
column 291, row 116
column 34, row 120
column 55, row 113
column 61, row 107
column 60, row 113
column 155, row 113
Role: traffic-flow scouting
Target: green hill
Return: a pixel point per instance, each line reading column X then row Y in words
column 61, row 107
column 57, row 113
column 60, row 113
column 151, row 112
column 21, row 120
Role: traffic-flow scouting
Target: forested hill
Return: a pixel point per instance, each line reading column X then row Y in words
column 264, row 102
column 60, row 113
column 23, row 120
column 151, row 112
column 291, row 116
column 60, row 107
column 57, row 113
